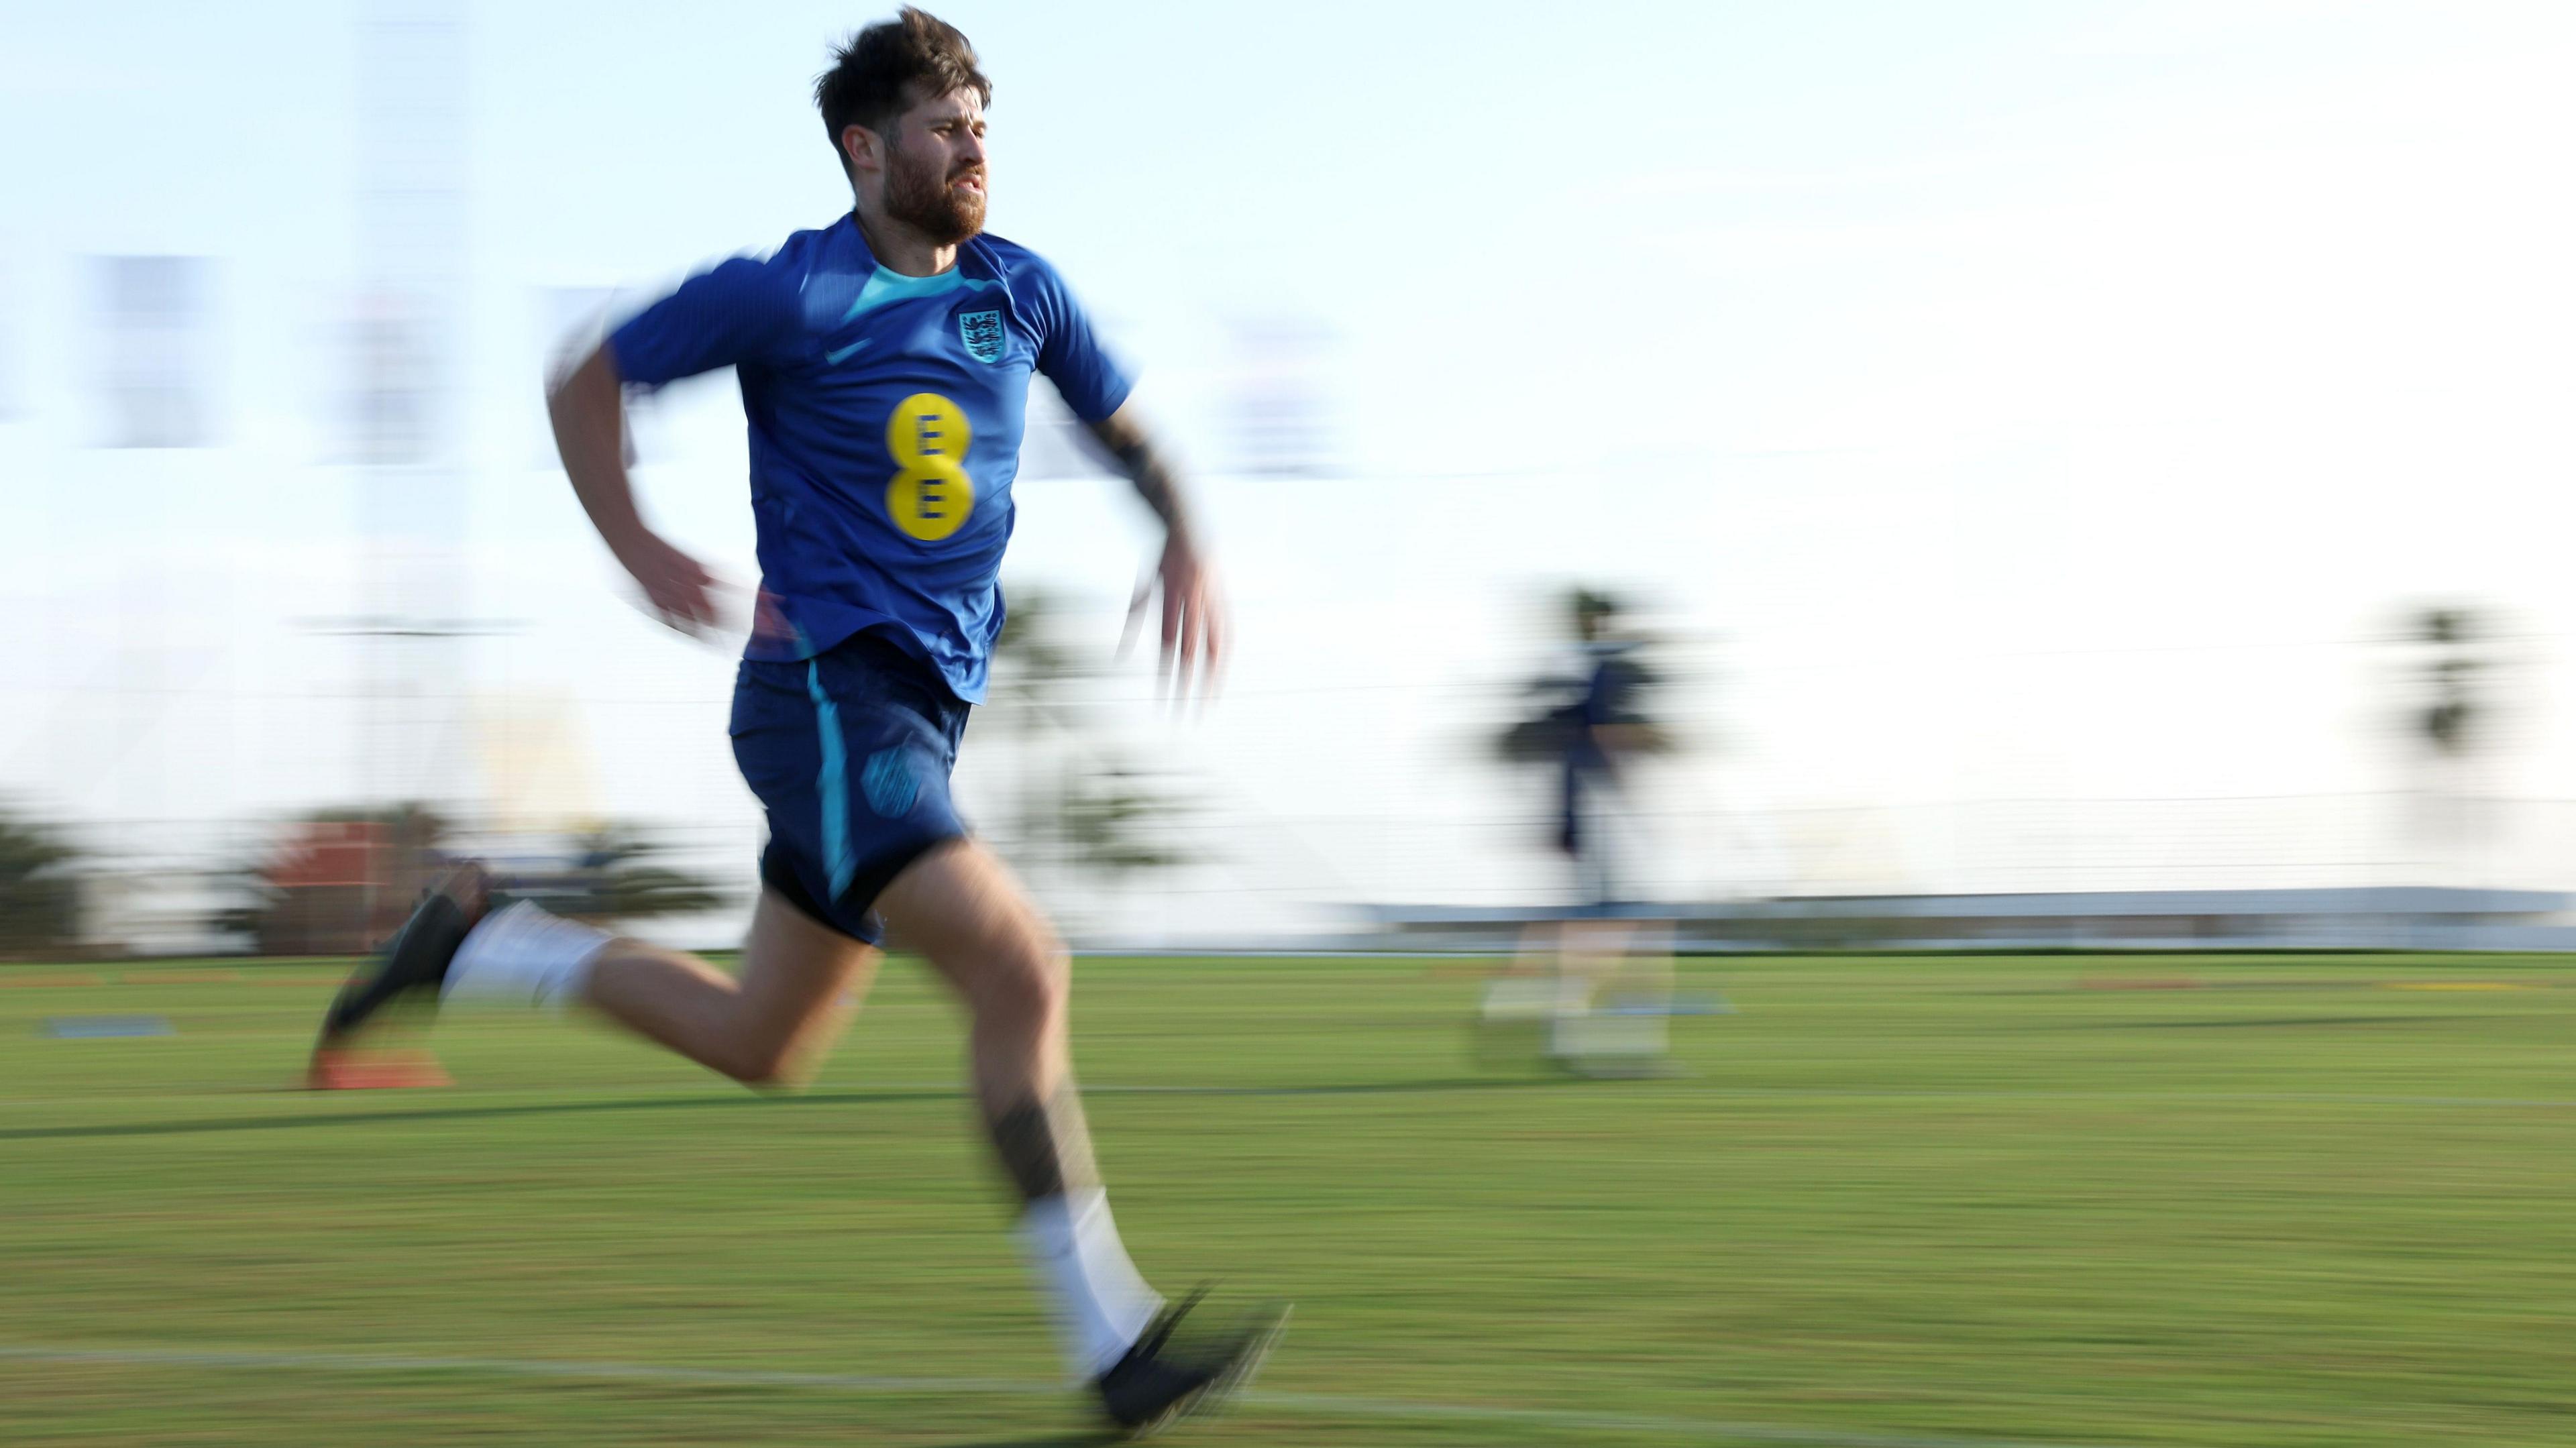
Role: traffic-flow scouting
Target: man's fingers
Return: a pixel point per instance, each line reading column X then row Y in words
column 1193, row 616
column 1173, row 605
column 685, row 602
column 1212, row 619
column 1193, row 626
column 689, row 616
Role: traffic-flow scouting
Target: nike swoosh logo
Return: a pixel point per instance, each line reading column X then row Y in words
column 839, row 354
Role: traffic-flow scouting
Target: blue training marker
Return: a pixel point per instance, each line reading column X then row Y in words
column 84, row 1028
column 1677, row 1006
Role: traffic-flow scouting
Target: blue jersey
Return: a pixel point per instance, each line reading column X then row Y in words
column 885, row 416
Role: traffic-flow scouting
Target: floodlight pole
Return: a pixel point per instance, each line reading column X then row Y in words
column 406, row 431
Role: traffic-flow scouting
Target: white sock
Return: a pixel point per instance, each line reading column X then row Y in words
column 1102, row 1305
column 523, row 956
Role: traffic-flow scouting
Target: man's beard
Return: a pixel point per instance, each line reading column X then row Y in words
column 920, row 198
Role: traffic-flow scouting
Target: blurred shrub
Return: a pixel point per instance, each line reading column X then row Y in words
column 39, row 893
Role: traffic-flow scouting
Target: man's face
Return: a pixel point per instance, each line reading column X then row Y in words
column 935, row 171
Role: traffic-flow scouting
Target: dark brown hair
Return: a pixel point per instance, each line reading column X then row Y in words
column 883, row 69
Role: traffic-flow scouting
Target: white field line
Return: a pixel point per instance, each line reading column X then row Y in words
column 1704, row 1429
column 1890, row 1093
column 939, row 1090
column 936, row 1091
column 512, row 1368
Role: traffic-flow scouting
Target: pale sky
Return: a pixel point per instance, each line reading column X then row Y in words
column 2022, row 418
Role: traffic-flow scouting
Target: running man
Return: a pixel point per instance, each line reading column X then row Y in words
column 1606, row 951
column 884, row 362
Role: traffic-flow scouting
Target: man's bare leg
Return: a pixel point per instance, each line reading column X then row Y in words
column 963, row 909
column 960, row 907
column 762, row 1026
column 767, row 1025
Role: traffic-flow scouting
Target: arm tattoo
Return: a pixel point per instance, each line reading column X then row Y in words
column 1156, row 481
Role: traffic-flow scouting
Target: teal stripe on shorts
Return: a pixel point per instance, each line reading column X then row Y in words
column 835, row 784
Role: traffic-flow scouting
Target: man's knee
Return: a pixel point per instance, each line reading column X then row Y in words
column 1029, row 977
column 761, row 1061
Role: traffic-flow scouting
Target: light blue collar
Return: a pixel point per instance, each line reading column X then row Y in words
column 892, row 286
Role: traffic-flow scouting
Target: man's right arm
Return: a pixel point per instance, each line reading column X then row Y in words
column 588, row 407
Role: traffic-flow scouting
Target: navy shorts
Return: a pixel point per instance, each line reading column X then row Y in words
column 850, row 754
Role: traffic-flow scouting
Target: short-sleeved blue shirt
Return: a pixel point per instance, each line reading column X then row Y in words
column 885, row 416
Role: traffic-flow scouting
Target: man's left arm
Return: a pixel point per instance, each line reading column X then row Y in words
column 1193, row 610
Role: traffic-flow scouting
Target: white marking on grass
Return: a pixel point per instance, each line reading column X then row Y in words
column 1686, row 1087
column 907, row 1093
column 513, row 1368
column 1706, row 1429
column 1320, row 1404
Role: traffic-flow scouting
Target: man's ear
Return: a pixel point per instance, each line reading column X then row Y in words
column 861, row 148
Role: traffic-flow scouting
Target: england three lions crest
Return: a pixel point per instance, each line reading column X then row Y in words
column 983, row 335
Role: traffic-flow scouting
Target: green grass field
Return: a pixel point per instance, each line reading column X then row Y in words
column 1894, row 1201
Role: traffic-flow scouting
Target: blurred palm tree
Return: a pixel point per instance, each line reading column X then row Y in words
column 1104, row 816
column 612, row 862
column 2449, row 721
column 343, row 877
column 1081, row 802
column 1033, row 671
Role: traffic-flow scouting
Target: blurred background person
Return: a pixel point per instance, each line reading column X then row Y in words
column 1599, row 979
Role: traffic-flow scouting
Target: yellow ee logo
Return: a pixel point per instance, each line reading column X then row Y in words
column 931, row 495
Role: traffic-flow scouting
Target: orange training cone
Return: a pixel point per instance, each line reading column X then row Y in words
column 342, row 1070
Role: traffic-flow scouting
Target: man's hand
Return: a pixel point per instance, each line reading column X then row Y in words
column 588, row 406
column 1193, row 610
column 1193, row 617
column 676, row 584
